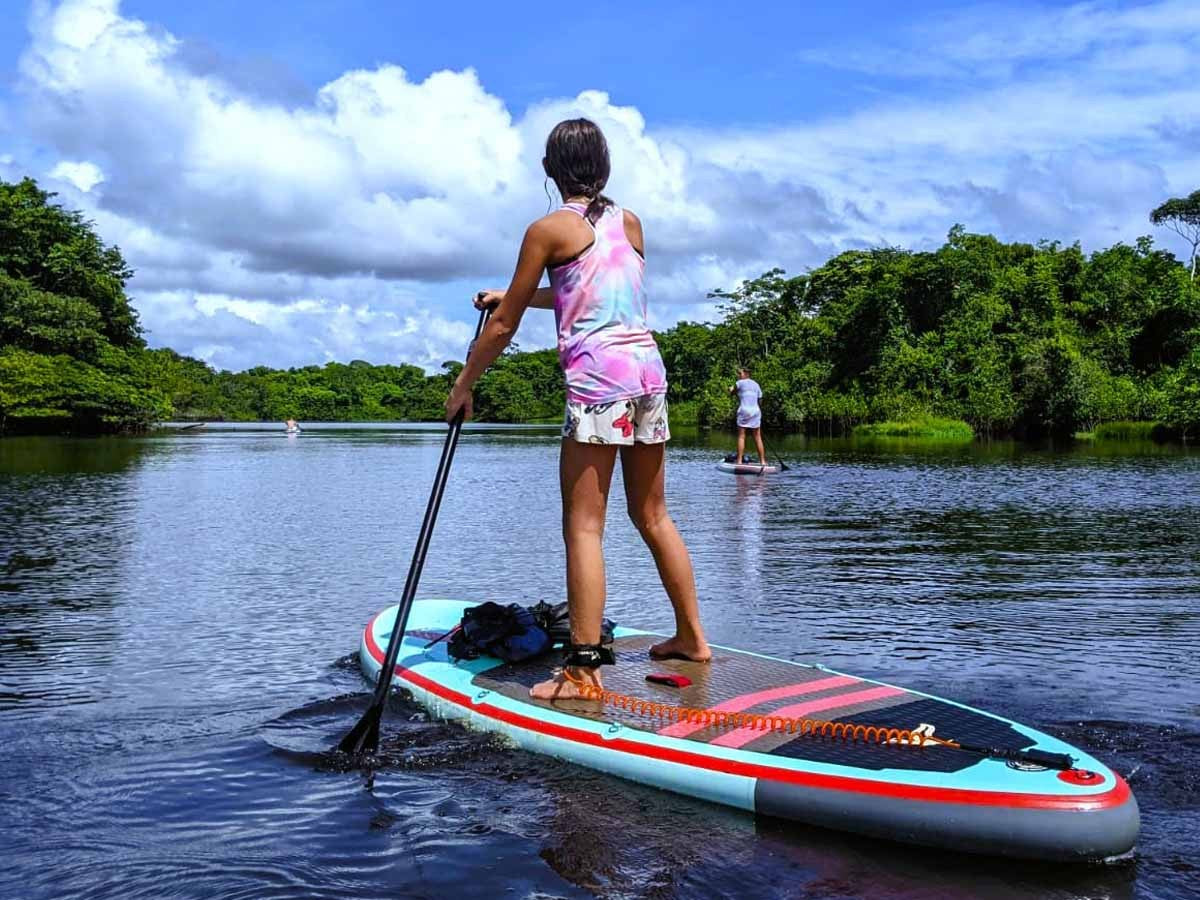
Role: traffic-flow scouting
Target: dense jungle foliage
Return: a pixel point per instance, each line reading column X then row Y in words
column 1011, row 338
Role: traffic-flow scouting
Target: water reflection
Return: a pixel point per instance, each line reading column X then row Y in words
column 28, row 456
column 208, row 583
column 746, row 528
column 73, row 501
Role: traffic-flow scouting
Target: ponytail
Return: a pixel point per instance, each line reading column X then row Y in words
column 577, row 160
column 596, row 208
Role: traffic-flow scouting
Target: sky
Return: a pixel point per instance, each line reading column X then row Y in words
column 323, row 180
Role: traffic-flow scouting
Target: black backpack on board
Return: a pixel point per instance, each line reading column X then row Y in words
column 514, row 633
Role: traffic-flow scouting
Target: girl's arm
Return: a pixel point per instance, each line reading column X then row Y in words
column 543, row 298
column 531, row 263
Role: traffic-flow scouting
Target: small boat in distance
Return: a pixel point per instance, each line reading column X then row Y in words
column 291, row 427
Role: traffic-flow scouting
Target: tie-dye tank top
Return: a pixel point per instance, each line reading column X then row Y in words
column 604, row 343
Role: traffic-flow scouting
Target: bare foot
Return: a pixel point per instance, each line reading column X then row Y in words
column 678, row 648
column 560, row 687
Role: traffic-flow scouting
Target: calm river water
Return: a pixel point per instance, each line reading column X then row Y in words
column 161, row 681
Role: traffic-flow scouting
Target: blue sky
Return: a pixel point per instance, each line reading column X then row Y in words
column 330, row 180
column 699, row 62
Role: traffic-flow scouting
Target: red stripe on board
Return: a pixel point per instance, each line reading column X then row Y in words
column 739, row 737
column 745, row 701
column 1118, row 795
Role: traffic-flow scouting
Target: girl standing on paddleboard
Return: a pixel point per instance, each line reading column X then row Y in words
column 749, row 416
column 616, row 393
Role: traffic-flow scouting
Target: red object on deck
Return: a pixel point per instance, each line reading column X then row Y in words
column 669, row 678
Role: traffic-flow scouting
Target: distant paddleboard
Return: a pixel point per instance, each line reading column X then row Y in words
column 746, row 468
column 932, row 795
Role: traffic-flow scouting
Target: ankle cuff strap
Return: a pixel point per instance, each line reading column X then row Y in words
column 588, row 656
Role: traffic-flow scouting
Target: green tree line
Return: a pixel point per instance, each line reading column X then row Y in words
column 72, row 355
column 1013, row 338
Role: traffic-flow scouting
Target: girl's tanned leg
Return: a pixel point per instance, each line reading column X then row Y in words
column 643, row 469
column 585, row 473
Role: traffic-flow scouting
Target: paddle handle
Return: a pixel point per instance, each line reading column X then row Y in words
column 423, row 537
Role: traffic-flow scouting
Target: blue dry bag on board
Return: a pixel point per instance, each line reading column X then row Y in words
column 510, row 632
column 514, row 633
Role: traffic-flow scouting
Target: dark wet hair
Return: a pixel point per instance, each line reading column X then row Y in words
column 577, row 160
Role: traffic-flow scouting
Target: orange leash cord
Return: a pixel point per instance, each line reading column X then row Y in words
column 803, row 726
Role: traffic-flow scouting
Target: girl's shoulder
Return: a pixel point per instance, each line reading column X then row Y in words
column 568, row 224
column 555, row 224
column 555, row 218
column 560, row 236
column 633, row 230
column 569, row 215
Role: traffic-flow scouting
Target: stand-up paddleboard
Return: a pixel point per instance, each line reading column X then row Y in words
column 931, row 795
column 747, row 468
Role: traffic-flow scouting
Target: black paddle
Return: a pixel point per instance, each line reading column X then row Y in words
column 783, row 467
column 364, row 737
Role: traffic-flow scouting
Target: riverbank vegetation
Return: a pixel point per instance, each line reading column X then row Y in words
column 1128, row 431
column 928, row 428
column 1003, row 338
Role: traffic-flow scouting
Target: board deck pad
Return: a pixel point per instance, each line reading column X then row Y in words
column 745, row 682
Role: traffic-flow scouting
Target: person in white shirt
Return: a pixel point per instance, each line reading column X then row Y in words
column 749, row 415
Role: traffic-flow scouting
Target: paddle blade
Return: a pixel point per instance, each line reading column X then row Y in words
column 364, row 737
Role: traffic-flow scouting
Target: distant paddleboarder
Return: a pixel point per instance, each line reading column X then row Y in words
column 616, row 393
column 749, row 414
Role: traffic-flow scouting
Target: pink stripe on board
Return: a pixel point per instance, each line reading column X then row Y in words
column 745, row 701
column 739, row 737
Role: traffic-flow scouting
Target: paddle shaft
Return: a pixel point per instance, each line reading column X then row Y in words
column 423, row 538
column 365, row 735
column 782, row 465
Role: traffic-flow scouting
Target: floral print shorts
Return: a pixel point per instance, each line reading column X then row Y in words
column 642, row 419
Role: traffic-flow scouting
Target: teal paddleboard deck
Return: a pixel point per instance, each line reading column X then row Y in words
column 932, row 795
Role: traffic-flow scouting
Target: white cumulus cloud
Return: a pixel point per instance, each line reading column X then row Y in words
column 353, row 222
column 83, row 175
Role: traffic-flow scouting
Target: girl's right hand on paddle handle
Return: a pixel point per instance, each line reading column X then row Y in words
column 460, row 398
column 488, row 299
